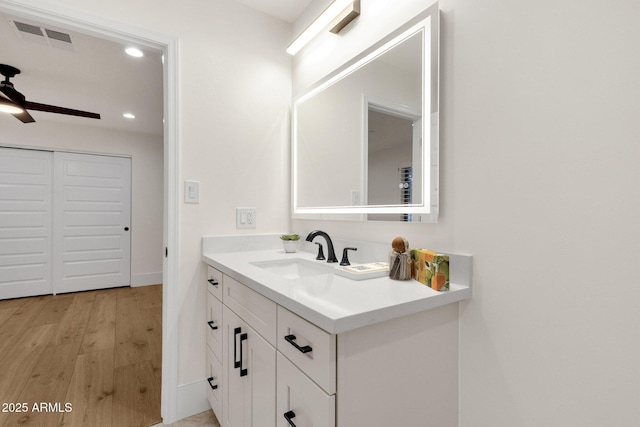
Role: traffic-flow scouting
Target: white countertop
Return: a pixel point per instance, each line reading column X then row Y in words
column 333, row 303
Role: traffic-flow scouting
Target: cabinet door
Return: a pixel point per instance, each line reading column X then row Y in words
column 300, row 400
column 249, row 375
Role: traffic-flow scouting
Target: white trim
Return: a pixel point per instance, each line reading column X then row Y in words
column 171, row 238
column 192, row 398
column 116, row 31
column 146, row 279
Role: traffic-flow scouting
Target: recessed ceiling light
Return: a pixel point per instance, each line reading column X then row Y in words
column 128, row 116
column 134, row 51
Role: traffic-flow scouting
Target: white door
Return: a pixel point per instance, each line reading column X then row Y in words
column 25, row 222
column 92, row 214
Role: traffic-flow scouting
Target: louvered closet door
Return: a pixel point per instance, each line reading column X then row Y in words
column 25, row 222
column 92, row 211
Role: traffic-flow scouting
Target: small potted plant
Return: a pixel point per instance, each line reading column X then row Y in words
column 290, row 242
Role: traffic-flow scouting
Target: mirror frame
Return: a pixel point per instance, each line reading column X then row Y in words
column 426, row 23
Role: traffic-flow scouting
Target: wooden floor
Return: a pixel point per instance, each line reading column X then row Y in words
column 83, row 359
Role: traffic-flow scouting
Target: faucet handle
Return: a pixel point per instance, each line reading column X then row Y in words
column 345, row 258
column 320, row 253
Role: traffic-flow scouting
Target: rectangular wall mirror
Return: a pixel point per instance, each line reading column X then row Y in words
column 365, row 138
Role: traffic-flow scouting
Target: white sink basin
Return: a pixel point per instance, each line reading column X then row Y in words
column 294, row 268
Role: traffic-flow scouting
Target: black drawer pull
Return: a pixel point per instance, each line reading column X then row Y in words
column 210, row 323
column 288, row 416
column 243, row 372
column 290, row 339
column 236, row 362
column 213, row 386
column 214, row 282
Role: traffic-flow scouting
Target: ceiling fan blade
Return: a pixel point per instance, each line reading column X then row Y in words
column 60, row 110
column 15, row 96
column 24, row 117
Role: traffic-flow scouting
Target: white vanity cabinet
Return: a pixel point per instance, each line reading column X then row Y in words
column 280, row 370
column 214, row 339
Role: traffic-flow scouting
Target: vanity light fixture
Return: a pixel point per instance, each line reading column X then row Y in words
column 6, row 106
column 337, row 15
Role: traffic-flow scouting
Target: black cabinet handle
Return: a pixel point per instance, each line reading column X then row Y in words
column 236, row 362
column 213, row 386
column 214, row 282
column 210, row 323
column 290, row 339
column 288, row 416
column 243, row 372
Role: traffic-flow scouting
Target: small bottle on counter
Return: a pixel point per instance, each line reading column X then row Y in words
column 400, row 260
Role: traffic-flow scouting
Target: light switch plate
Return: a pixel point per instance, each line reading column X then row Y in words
column 245, row 217
column 192, row 191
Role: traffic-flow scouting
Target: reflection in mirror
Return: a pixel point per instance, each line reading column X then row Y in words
column 365, row 138
column 392, row 143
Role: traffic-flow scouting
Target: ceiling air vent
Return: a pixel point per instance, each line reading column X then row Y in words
column 46, row 36
column 57, row 35
column 28, row 28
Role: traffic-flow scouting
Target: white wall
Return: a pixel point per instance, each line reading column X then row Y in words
column 146, row 177
column 234, row 108
column 539, row 178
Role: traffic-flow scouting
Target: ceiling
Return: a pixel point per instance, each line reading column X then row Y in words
column 96, row 75
column 87, row 74
column 286, row 10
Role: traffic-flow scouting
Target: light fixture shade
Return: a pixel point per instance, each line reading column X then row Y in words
column 338, row 14
column 6, row 106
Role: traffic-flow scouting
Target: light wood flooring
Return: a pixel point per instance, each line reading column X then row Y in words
column 97, row 352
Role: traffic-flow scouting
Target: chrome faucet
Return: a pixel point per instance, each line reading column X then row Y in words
column 332, row 254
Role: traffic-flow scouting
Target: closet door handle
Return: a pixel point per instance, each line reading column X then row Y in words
column 288, row 416
column 243, row 372
column 214, row 282
column 210, row 323
column 213, row 386
column 291, row 340
column 236, row 363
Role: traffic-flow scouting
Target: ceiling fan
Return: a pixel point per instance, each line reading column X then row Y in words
column 14, row 102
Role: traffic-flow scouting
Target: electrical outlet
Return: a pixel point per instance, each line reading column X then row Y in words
column 245, row 217
column 355, row 198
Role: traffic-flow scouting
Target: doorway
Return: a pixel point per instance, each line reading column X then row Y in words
column 168, row 45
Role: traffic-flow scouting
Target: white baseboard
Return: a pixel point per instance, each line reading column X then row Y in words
column 146, row 279
column 192, row 399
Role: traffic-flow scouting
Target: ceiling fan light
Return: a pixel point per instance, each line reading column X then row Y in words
column 9, row 107
column 134, row 51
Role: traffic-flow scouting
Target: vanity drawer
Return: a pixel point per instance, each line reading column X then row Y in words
column 310, row 348
column 301, row 400
column 214, row 383
column 214, row 325
column 214, row 282
column 258, row 311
